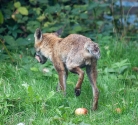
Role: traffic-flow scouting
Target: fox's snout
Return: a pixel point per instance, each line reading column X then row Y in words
column 40, row 58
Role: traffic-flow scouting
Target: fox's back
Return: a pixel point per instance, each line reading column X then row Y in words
column 74, row 40
column 72, row 52
column 73, row 43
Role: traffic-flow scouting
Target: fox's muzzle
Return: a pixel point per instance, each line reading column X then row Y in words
column 40, row 58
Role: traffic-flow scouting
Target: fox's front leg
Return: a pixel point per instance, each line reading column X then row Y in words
column 62, row 75
column 62, row 81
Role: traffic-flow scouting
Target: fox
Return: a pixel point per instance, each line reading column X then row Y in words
column 71, row 53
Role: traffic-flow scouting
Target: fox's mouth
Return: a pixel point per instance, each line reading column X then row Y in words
column 37, row 58
column 40, row 58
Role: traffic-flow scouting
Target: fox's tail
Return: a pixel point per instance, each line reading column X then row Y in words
column 93, row 49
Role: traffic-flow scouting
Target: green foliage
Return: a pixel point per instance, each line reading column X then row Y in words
column 118, row 67
column 19, row 19
column 1, row 18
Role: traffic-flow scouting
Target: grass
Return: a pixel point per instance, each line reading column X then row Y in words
column 29, row 96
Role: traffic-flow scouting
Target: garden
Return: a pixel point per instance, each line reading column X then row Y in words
column 28, row 93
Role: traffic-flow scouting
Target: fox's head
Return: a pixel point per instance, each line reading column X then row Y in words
column 39, row 54
column 42, row 44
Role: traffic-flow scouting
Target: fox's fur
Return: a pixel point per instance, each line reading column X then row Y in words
column 69, row 54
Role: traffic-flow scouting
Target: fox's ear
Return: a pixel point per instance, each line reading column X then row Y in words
column 59, row 32
column 38, row 35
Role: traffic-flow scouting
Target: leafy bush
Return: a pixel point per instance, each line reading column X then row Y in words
column 19, row 19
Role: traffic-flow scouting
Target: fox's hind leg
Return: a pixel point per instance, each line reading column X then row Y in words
column 77, row 70
column 92, row 75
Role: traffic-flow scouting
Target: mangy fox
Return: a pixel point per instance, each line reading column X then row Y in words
column 69, row 54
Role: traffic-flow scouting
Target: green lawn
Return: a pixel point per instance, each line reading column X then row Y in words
column 29, row 96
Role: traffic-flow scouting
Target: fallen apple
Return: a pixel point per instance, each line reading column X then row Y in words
column 118, row 110
column 81, row 111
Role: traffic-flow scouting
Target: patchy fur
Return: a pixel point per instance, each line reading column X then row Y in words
column 70, row 53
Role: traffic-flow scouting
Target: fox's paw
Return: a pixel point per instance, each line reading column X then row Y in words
column 77, row 92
